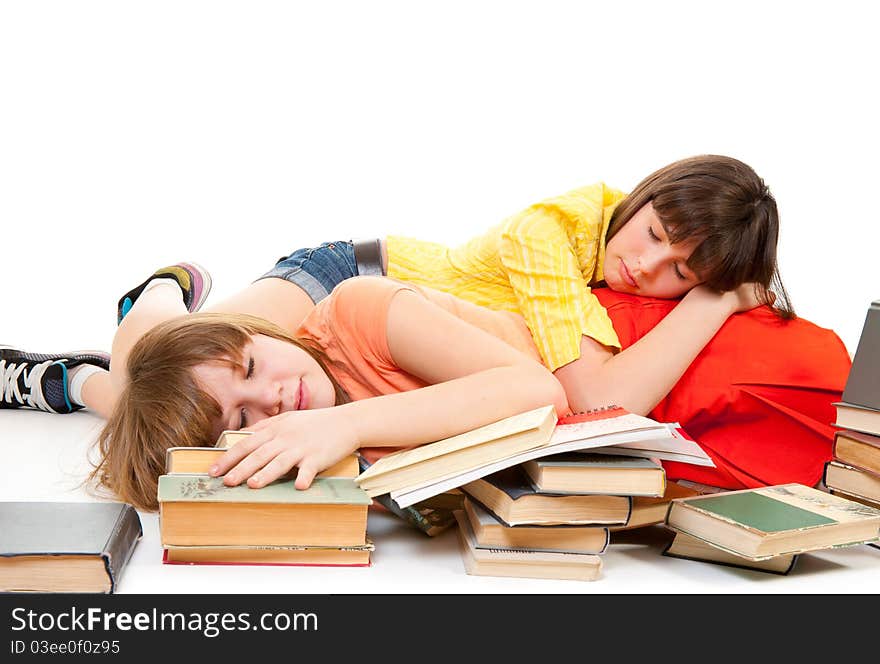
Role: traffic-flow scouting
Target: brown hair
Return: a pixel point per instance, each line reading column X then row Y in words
column 164, row 406
column 721, row 202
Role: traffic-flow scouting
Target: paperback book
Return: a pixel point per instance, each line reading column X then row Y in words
column 511, row 498
column 523, row 562
column 689, row 547
column 491, row 533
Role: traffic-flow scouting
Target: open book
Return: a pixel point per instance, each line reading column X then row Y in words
column 416, row 474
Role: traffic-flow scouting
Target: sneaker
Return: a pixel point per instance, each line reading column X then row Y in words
column 194, row 281
column 39, row 380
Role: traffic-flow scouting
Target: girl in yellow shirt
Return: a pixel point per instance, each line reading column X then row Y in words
column 703, row 229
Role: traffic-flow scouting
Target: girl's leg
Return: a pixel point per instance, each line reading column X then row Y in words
column 169, row 292
column 288, row 292
column 276, row 300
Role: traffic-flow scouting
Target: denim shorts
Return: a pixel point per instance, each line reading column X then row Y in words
column 317, row 270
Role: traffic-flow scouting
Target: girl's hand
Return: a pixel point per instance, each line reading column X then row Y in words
column 748, row 296
column 743, row 298
column 310, row 440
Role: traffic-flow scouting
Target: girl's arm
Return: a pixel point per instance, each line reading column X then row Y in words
column 476, row 379
column 643, row 374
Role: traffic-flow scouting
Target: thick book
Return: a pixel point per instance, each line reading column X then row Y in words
column 689, row 547
column 857, row 418
column 774, row 520
column 583, row 473
column 200, row 459
column 857, row 449
column 509, row 495
column 852, row 481
column 65, row 547
column 649, row 511
column 597, row 428
column 199, row 510
column 863, row 383
column 490, row 533
column 308, row 556
column 524, row 563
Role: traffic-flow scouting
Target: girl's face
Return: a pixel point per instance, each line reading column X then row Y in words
column 273, row 377
column 640, row 260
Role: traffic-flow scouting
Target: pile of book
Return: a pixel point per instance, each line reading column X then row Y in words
column 203, row 521
column 767, row 528
column 854, row 472
column 542, row 494
column 551, row 517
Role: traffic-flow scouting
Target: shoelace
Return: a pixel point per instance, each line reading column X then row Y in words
column 10, row 389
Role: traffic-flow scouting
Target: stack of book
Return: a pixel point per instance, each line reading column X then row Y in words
column 203, row 521
column 536, row 508
column 551, row 516
column 854, row 471
column 768, row 528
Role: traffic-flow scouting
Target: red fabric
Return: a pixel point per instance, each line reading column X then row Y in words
column 758, row 398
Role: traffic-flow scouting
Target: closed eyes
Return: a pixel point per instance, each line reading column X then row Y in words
column 249, row 372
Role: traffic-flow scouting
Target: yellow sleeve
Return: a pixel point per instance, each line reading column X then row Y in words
column 539, row 258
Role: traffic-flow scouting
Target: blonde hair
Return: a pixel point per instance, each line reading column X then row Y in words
column 163, row 405
column 723, row 204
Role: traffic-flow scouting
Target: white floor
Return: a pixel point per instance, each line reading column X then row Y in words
column 45, row 458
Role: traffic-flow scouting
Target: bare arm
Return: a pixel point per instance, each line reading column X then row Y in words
column 474, row 379
column 639, row 377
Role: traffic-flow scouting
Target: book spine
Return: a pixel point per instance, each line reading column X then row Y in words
column 120, row 545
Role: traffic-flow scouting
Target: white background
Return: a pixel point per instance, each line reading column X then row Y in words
column 135, row 135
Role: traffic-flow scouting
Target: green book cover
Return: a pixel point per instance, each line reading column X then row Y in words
column 782, row 508
column 204, row 488
column 591, row 460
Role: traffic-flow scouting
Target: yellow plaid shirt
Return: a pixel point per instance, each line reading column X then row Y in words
column 540, row 263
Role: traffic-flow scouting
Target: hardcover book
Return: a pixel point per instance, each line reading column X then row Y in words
column 774, row 520
column 863, row 383
column 510, row 496
column 584, row 473
column 857, row 418
column 857, row 449
column 854, row 482
column 199, row 510
column 200, row 459
column 65, row 547
column 490, row 533
column 524, row 563
column 689, row 547
column 320, row 556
